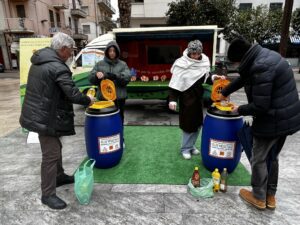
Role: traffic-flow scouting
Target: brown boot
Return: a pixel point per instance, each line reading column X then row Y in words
column 248, row 197
column 271, row 201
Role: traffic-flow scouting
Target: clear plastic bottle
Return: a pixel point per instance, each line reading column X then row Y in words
column 223, row 184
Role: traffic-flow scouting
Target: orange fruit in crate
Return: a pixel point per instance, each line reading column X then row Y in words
column 108, row 90
column 217, row 87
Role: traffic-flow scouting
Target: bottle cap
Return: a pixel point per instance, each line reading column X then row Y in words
column 196, row 168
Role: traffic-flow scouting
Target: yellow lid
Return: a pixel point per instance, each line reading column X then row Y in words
column 102, row 104
column 217, row 87
column 196, row 168
column 228, row 107
column 108, row 90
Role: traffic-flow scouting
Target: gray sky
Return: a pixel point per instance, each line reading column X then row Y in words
column 114, row 4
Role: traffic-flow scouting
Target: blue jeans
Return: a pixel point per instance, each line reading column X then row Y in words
column 188, row 141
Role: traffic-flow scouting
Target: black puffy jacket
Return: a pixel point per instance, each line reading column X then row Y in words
column 271, row 91
column 47, row 108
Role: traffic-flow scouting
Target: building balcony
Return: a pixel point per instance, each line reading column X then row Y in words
column 60, row 4
column 105, row 4
column 78, row 13
column 106, row 22
column 79, row 35
column 18, row 25
column 53, row 29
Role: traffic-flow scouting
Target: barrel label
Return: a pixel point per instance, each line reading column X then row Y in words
column 221, row 149
column 109, row 144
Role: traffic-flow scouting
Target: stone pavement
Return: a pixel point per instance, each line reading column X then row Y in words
column 128, row 204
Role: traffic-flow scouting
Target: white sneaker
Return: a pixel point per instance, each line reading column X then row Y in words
column 195, row 151
column 186, row 155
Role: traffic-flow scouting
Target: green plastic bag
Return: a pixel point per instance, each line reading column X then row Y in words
column 206, row 95
column 204, row 191
column 84, row 182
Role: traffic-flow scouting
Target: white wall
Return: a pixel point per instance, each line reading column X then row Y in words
column 93, row 33
column 136, row 22
column 150, row 8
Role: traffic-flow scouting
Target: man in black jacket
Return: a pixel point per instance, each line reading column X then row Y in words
column 274, row 104
column 48, row 110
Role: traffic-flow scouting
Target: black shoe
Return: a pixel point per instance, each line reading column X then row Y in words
column 64, row 179
column 54, row 202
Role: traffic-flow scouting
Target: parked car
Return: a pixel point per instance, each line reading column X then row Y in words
column 1, row 68
column 224, row 66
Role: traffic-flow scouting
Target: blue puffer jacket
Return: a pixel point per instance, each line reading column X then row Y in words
column 271, row 91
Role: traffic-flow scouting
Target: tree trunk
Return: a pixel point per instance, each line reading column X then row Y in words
column 125, row 12
column 286, row 19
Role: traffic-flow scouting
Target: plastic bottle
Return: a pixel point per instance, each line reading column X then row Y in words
column 216, row 179
column 91, row 92
column 196, row 177
column 224, row 176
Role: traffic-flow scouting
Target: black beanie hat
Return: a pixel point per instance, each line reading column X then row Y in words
column 237, row 49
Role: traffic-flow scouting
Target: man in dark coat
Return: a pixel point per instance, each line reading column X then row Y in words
column 48, row 110
column 273, row 102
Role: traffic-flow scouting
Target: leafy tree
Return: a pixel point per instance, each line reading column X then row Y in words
column 201, row 12
column 125, row 12
column 256, row 25
column 296, row 21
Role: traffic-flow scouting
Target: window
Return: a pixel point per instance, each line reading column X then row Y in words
column 20, row 11
column 51, row 15
column 86, row 9
column 245, row 6
column 58, row 20
column 70, row 22
column 86, row 29
column 275, row 6
column 163, row 54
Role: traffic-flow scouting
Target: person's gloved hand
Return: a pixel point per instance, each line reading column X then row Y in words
column 92, row 98
column 110, row 76
column 172, row 106
column 217, row 77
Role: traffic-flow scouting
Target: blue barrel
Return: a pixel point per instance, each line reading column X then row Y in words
column 104, row 136
column 220, row 147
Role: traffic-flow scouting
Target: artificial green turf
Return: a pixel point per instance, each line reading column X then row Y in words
column 152, row 156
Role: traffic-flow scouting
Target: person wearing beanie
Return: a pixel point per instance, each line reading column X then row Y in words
column 238, row 49
column 189, row 72
column 274, row 104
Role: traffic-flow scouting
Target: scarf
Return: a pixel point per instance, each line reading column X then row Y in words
column 186, row 71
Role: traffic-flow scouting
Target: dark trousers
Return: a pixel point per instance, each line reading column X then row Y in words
column 264, row 182
column 51, row 166
column 121, row 105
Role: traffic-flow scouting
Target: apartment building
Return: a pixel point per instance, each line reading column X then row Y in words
column 36, row 18
column 153, row 12
column 73, row 17
column 99, row 17
column 272, row 4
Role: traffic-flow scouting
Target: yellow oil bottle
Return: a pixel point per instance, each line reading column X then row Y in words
column 216, row 179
